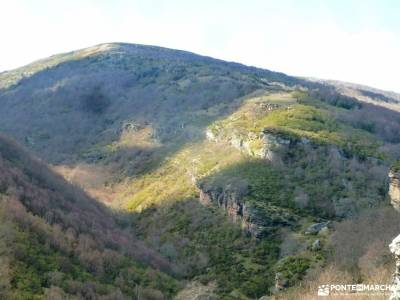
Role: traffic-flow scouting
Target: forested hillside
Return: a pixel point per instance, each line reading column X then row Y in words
column 57, row 241
column 163, row 174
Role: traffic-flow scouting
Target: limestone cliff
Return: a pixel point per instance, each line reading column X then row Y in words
column 266, row 145
column 394, row 189
column 394, row 194
column 254, row 219
column 231, row 200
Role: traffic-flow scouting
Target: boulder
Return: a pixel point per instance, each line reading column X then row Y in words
column 281, row 282
column 317, row 227
column 316, row 245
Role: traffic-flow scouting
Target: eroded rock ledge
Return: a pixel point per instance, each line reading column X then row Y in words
column 394, row 194
column 394, row 189
column 265, row 145
column 255, row 220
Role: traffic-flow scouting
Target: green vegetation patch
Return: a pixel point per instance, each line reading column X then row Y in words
column 396, row 166
column 37, row 266
column 213, row 247
column 311, row 119
column 293, row 268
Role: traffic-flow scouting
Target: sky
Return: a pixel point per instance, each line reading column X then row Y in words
column 349, row 40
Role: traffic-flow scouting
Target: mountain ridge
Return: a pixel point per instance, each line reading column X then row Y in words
column 103, row 47
column 119, row 46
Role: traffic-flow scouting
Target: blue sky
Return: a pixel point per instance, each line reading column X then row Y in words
column 357, row 41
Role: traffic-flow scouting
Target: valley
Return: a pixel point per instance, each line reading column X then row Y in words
column 141, row 172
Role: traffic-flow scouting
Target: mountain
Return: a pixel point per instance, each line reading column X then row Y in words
column 204, row 177
column 93, row 91
column 364, row 93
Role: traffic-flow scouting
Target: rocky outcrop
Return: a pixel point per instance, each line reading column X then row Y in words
column 316, row 245
column 394, row 189
column 231, row 200
column 197, row 291
column 272, row 144
column 255, row 220
column 318, row 227
column 394, row 194
column 266, row 145
column 395, row 249
column 281, row 282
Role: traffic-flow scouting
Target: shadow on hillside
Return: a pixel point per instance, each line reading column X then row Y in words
column 47, row 195
column 79, row 106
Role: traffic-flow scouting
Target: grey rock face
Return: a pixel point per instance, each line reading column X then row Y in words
column 316, row 245
column 395, row 249
column 253, row 219
column 317, row 227
column 271, row 143
column 197, row 291
column 394, row 194
column 394, row 189
column 231, row 200
column 280, row 282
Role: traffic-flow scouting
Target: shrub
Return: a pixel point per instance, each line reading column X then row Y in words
column 293, row 268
